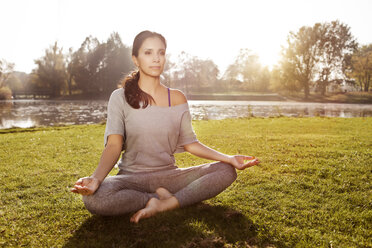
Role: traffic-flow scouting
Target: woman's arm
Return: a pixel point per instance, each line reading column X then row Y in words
column 203, row 151
column 110, row 155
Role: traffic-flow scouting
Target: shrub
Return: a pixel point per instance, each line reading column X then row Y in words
column 5, row 93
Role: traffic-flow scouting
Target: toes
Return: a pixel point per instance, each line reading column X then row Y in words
column 137, row 216
column 133, row 218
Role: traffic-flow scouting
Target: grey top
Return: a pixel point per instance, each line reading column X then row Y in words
column 151, row 135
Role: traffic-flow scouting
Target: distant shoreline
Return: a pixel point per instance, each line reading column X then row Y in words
column 344, row 97
column 220, row 97
column 349, row 97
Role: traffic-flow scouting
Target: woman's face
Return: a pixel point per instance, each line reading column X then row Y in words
column 151, row 57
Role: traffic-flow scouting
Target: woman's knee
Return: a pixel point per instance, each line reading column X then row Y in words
column 95, row 205
column 90, row 203
column 229, row 171
column 98, row 203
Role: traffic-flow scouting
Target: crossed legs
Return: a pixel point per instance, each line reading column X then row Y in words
column 152, row 192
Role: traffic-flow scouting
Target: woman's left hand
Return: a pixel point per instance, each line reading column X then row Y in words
column 238, row 161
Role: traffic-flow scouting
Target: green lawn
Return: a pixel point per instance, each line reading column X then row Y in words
column 312, row 188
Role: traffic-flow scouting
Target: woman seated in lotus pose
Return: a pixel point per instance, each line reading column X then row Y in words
column 151, row 122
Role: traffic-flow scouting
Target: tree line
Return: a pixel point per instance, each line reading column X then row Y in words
column 314, row 58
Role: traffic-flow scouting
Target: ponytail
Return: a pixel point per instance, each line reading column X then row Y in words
column 133, row 93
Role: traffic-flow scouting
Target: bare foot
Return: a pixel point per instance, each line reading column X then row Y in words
column 155, row 206
column 152, row 207
column 163, row 193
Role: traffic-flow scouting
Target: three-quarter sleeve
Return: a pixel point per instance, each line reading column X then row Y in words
column 115, row 116
column 187, row 134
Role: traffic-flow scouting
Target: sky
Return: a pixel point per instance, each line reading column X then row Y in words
column 207, row 29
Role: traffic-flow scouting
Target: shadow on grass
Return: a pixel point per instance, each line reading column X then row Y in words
column 200, row 225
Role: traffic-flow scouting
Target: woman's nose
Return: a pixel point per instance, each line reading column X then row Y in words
column 156, row 58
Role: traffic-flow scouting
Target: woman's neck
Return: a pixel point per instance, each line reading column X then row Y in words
column 149, row 84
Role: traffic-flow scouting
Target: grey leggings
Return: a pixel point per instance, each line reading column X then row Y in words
column 125, row 193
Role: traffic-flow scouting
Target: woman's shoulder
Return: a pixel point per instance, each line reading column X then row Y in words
column 118, row 91
column 177, row 97
column 117, row 94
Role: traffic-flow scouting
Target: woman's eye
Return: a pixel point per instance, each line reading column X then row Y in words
column 147, row 53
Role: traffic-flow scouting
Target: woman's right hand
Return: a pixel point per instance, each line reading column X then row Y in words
column 86, row 186
column 238, row 161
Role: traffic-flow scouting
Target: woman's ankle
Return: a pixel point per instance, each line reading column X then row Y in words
column 169, row 204
column 163, row 193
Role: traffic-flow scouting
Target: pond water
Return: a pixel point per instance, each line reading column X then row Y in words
column 29, row 113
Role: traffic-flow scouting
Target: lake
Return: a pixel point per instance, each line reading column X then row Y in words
column 29, row 113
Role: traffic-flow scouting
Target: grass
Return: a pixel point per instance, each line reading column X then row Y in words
column 312, row 188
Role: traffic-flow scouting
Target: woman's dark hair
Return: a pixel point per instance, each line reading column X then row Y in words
column 133, row 93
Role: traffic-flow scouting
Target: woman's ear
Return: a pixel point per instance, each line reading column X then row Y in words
column 135, row 61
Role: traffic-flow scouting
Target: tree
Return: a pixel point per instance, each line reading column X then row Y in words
column 117, row 62
column 51, row 72
column 336, row 44
column 168, row 72
column 6, row 70
column 280, row 80
column 98, row 67
column 183, row 73
column 231, row 78
column 192, row 73
column 18, row 81
column 206, row 74
column 317, row 54
column 263, row 80
column 247, row 72
column 300, row 57
column 69, row 69
column 86, row 63
column 361, row 67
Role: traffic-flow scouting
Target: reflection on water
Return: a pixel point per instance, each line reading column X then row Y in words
column 28, row 113
column 50, row 112
column 18, row 123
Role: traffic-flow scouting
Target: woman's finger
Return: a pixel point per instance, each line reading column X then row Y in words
column 251, row 163
column 79, row 182
column 80, row 188
column 83, row 191
column 249, row 157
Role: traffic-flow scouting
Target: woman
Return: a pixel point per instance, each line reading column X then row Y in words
column 152, row 122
